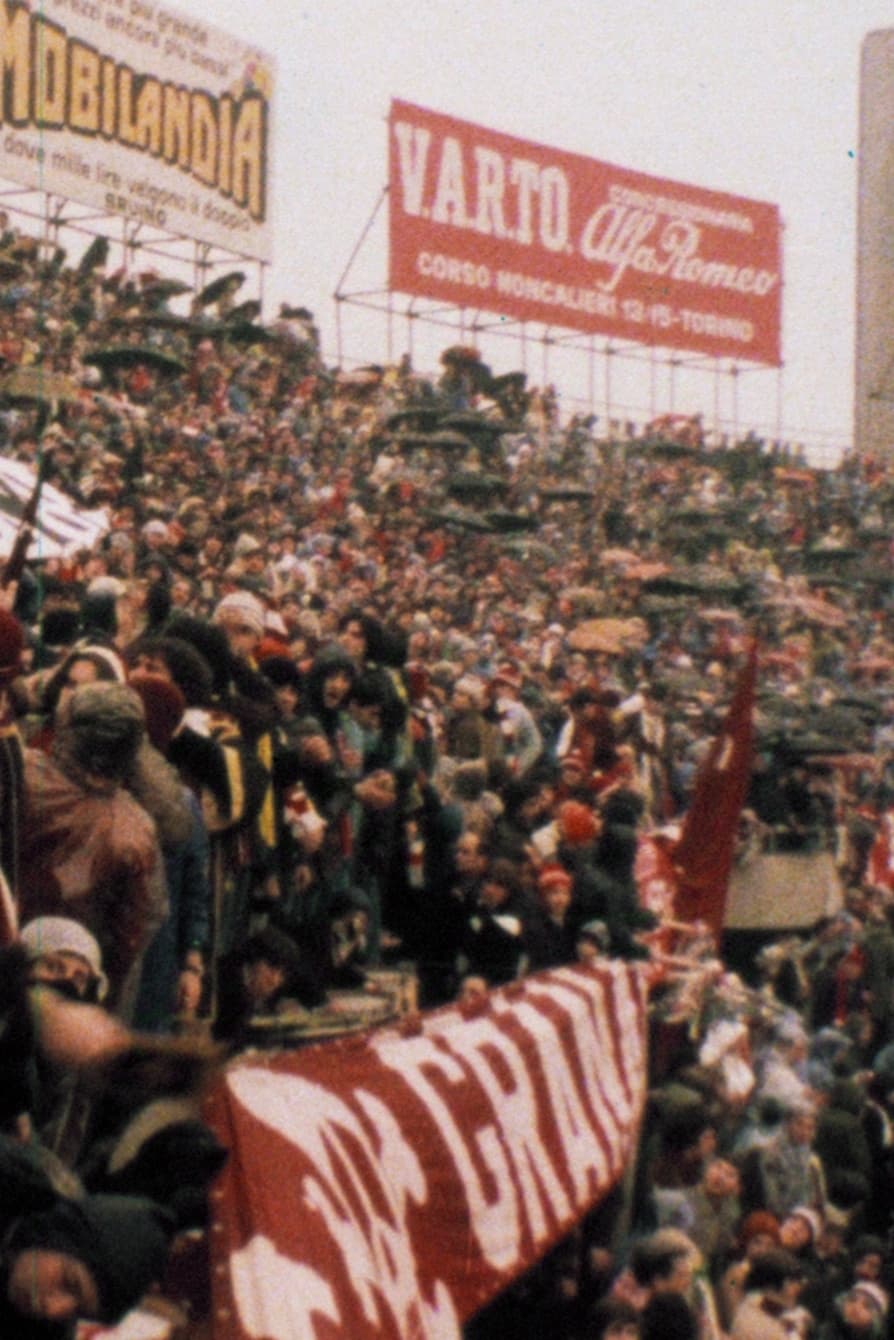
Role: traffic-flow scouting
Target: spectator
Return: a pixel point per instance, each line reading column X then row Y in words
column 88, row 849
column 772, row 1289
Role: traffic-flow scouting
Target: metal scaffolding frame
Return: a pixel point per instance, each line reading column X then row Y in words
column 129, row 239
column 596, row 350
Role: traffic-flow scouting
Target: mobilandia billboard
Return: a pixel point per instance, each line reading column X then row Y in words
column 140, row 111
column 486, row 221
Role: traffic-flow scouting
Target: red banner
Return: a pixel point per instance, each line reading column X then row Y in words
column 704, row 854
column 490, row 222
column 388, row 1186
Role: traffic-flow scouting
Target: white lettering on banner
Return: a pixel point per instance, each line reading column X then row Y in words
column 524, row 175
column 513, row 284
column 626, row 1009
column 503, row 200
column 491, row 185
column 277, row 1298
column 599, row 1009
column 412, row 143
column 553, row 209
column 378, row 1248
column 706, row 323
column 698, row 211
column 452, row 269
column 616, row 236
column 598, row 1062
column 495, row 1059
column 420, row 1061
column 450, row 197
column 585, row 1153
column 394, row 1194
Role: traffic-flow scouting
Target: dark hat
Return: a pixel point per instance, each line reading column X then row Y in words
column 281, row 671
column 122, row 1240
column 772, row 1268
column 101, row 728
column 667, row 1316
column 597, row 933
column 163, row 704
column 271, row 945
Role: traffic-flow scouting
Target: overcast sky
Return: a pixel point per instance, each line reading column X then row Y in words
column 758, row 98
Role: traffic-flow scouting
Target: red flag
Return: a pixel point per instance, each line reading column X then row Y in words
column 704, row 854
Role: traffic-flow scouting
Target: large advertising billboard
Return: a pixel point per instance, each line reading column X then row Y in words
column 140, row 111
column 487, row 221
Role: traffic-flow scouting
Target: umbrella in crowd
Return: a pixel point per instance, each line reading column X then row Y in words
column 464, row 520
column 713, row 615
column 61, row 527
column 39, row 384
column 246, row 312
column 810, row 609
column 508, row 522
column 699, row 579
column 95, row 256
column 131, row 355
column 247, row 332
column 484, row 433
column 621, row 557
column 222, row 287
column 414, row 419
column 569, row 494
column 163, row 287
column 610, row 636
column 644, row 572
column 827, row 556
column 469, row 485
column 447, row 439
column 524, row 547
column 10, row 268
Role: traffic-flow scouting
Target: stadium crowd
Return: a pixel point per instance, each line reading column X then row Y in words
column 373, row 668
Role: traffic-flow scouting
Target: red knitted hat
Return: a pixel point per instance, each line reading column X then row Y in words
column 577, row 823
column 163, row 704
column 553, row 876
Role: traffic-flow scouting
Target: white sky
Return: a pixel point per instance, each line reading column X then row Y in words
column 758, row 98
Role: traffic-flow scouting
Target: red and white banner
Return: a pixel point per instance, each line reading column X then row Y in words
column 387, row 1186
column 483, row 220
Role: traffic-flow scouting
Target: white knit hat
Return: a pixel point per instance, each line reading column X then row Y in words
column 61, row 935
column 812, row 1218
column 245, row 606
column 874, row 1294
column 246, row 544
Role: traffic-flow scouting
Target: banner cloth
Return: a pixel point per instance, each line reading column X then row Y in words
column 388, row 1185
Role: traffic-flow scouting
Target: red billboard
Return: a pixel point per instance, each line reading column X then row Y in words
column 486, row 221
